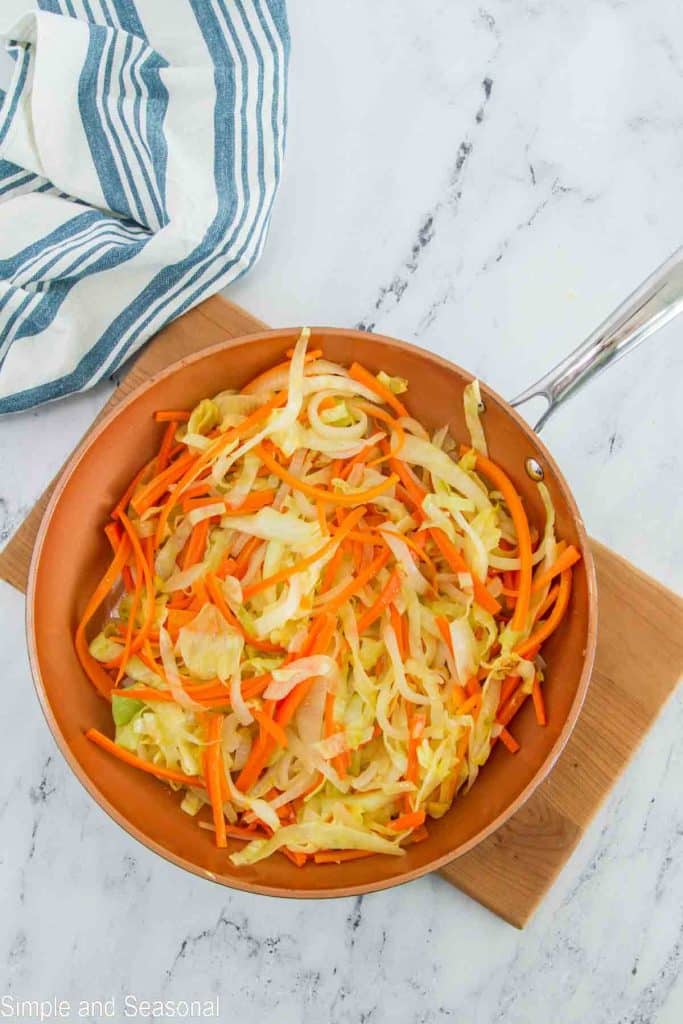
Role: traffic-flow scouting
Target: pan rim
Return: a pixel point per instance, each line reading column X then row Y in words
column 337, row 891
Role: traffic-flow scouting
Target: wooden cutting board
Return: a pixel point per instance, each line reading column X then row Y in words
column 638, row 664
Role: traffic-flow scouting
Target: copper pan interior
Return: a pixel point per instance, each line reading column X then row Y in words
column 72, row 553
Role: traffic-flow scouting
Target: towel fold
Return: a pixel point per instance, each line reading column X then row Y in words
column 141, row 146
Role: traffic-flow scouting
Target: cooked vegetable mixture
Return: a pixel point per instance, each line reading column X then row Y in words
column 327, row 616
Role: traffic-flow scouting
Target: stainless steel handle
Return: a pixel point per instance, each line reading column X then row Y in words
column 658, row 300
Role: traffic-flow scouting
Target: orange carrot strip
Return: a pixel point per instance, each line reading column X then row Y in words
column 358, row 583
column 405, row 821
column 212, row 774
column 471, row 705
column 159, row 484
column 166, row 445
column 388, row 594
column 259, row 754
column 122, row 503
column 219, row 600
column 502, row 483
column 199, row 464
column 168, row 415
column 304, row 563
column 363, row 376
column 144, row 568
column 137, row 762
column 473, row 686
column 244, row 557
column 548, row 603
column 509, row 741
column 320, row 493
column 296, row 858
column 539, row 703
column 293, row 699
column 270, row 726
column 252, row 503
column 549, row 625
column 96, row 674
column 508, row 712
column 443, row 627
column 458, row 564
column 331, row 569
column 112, row 532
column 510, row 684
column 196, row 544
column 568, row 558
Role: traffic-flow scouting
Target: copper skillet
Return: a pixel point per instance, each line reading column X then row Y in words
column 70, row 556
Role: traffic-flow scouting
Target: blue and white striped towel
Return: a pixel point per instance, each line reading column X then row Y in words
column 141, row 143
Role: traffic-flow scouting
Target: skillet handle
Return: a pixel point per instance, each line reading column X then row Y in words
column 658, row 300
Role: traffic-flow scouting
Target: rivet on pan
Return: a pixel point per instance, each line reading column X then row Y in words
column 481, row 405
column 534, row 469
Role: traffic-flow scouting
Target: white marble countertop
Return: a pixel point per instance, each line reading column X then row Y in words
column 487, row 181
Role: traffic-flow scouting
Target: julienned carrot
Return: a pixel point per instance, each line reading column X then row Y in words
column 363, row 376
column 416, row 729
column 166, row 445
column 213, row 755
column 137, row 762
column 508, row 712
column 331, row 570
column 97, row 675
column 194, row 549
column 320, row 493
column 304, row 563
column 568, row 558
column 405, row 821
column 502, row 483
column 218, row 599
column 259, row 754
column 458, row 564
column 323, row 636
column 132, row 615
column 122, row 503
column 470, row 706
column 473, row 686
column 252, row 503
column 112, row 532
column 320, row 635
column 244, row 557
column 508, row 740
column 539, row 703
column 158, row 485
column 444, row 629
column 545, row 605
column 549, row 625
column 356, row 584
column 389, row 592
column 270, row 726
column 199, row 463
column 169, row 415
column 510, row 684
column 144, row 568
column 340, row 856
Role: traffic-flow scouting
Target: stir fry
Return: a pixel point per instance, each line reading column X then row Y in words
column 325, row 616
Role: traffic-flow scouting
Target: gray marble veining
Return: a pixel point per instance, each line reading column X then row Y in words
column 487, row 181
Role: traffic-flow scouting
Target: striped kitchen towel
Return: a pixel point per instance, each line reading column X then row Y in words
column 141, row 144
